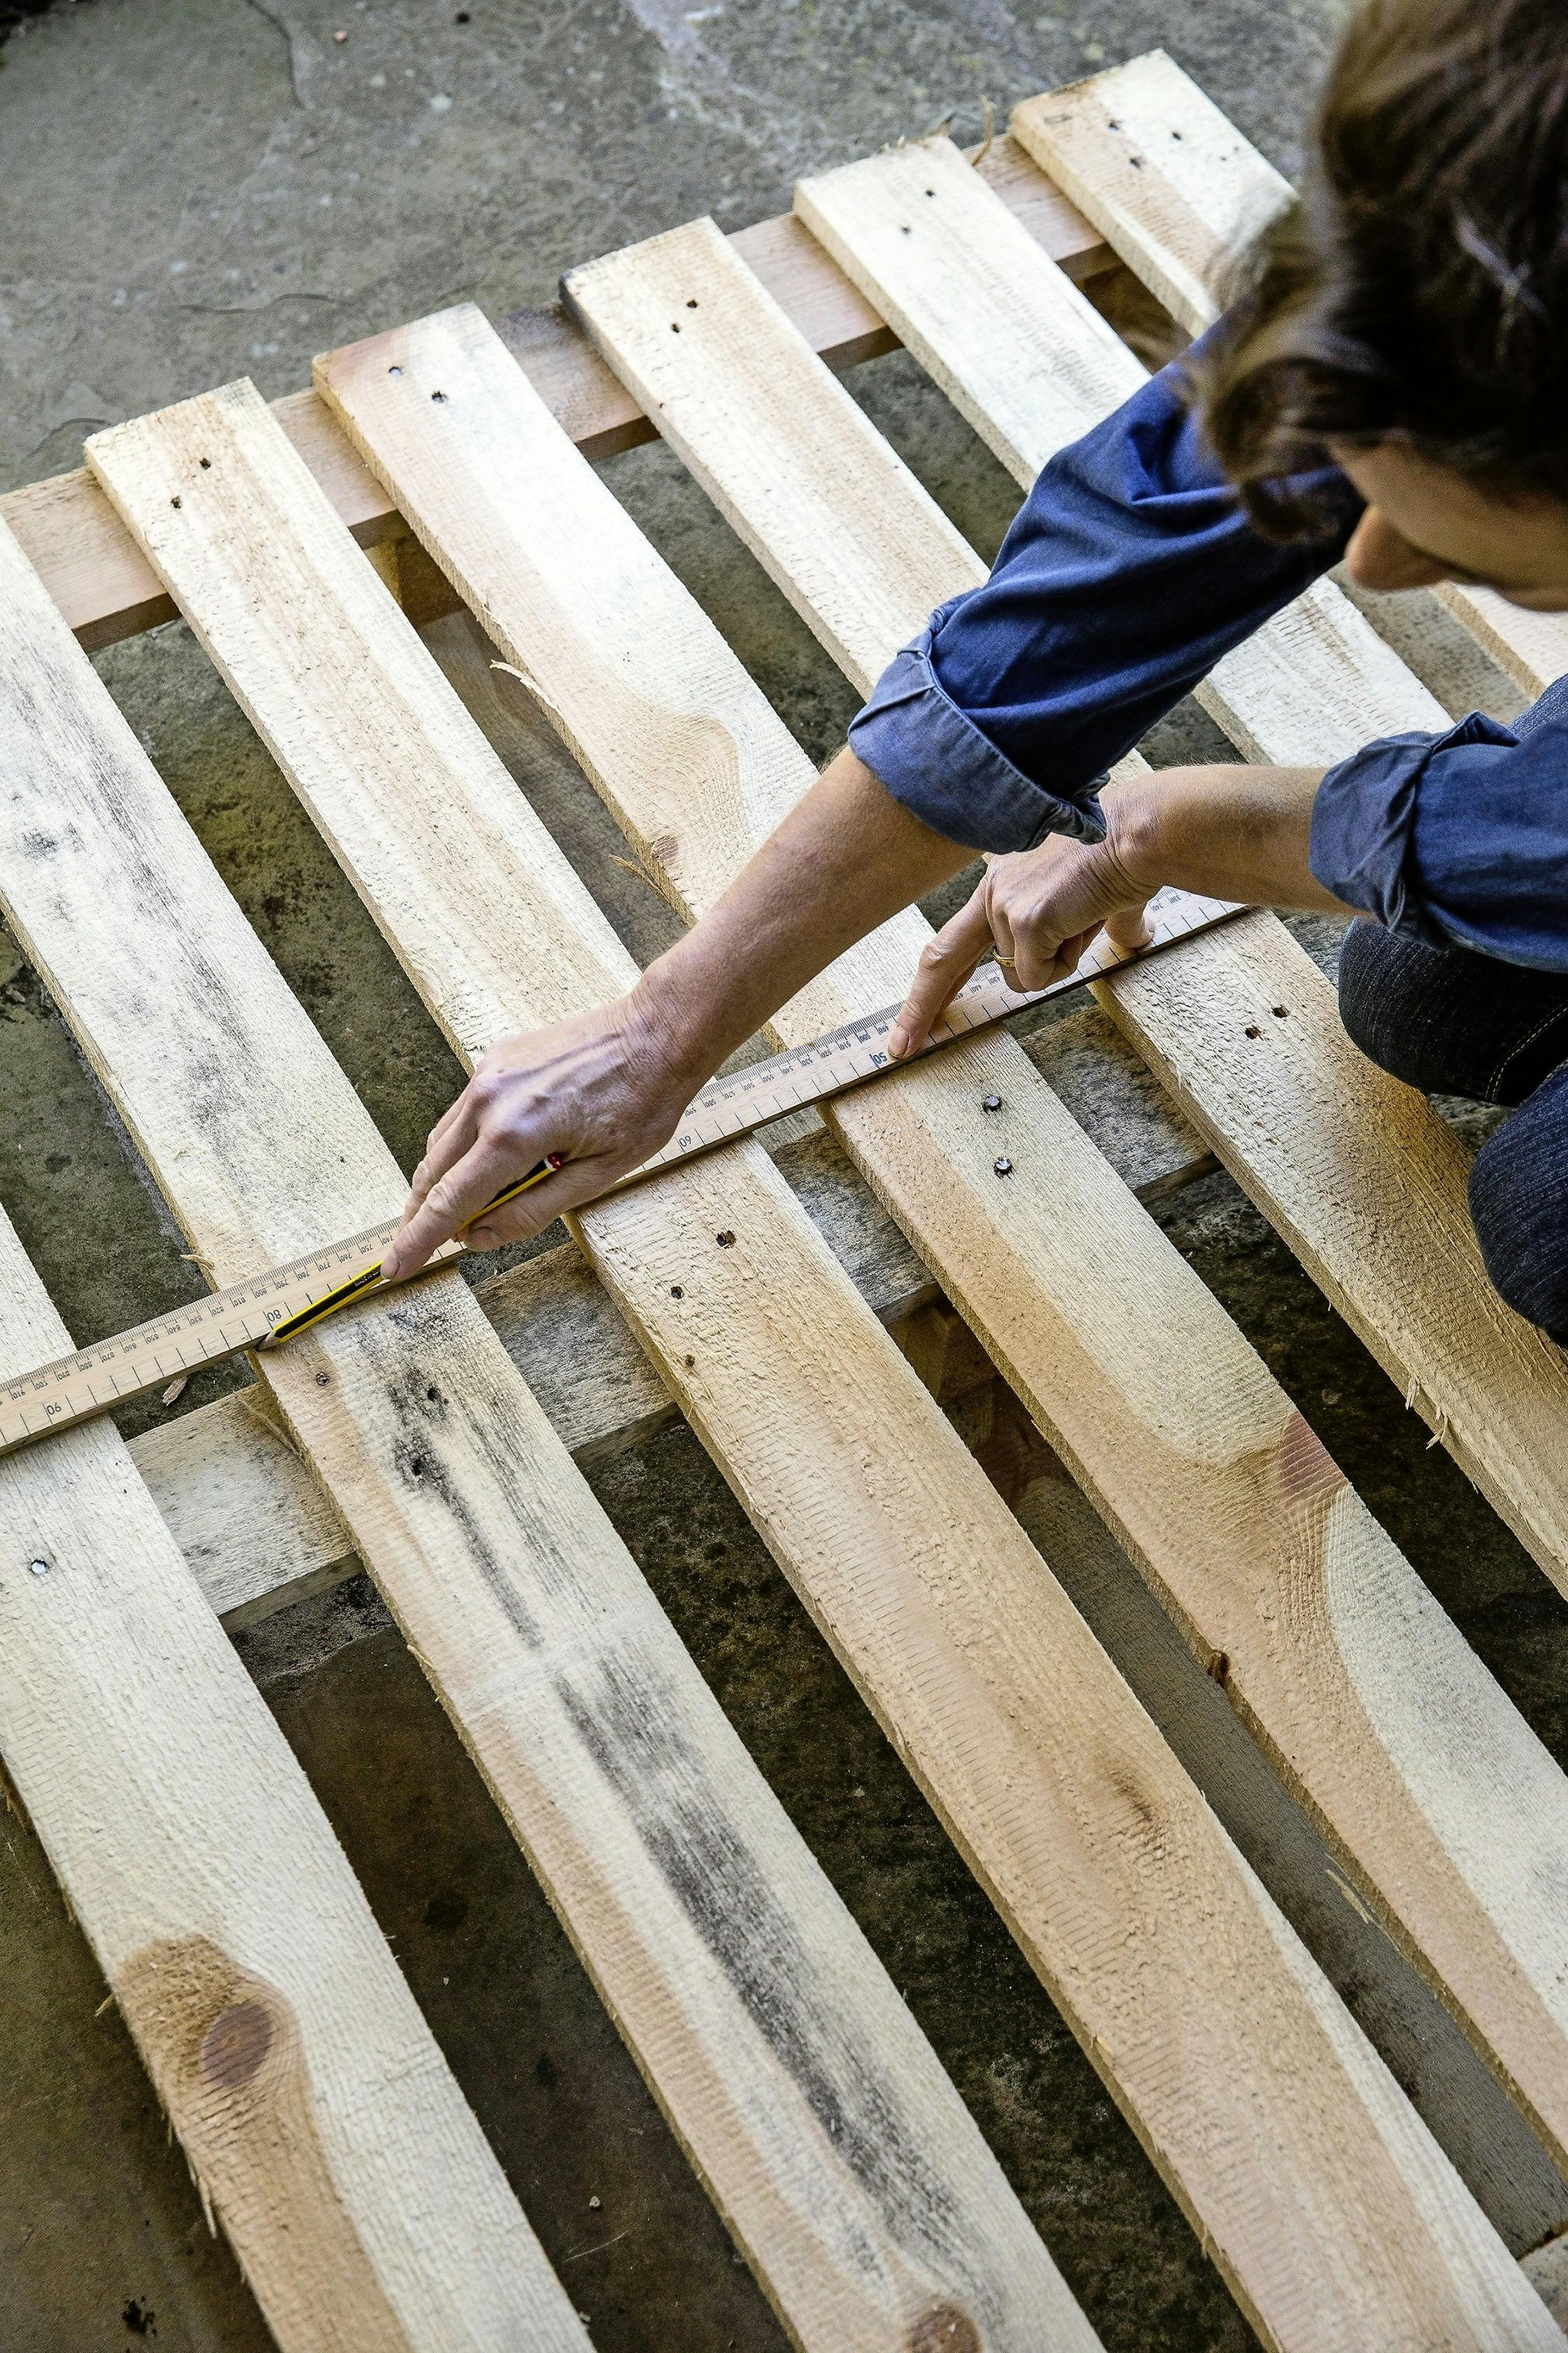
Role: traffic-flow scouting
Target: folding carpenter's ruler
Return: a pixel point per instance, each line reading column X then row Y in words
column 269, row 1309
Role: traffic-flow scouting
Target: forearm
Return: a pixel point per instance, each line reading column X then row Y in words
column 847, row 857
column 1236, row 832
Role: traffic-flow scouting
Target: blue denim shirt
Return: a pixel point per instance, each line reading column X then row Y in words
column 1129, row 572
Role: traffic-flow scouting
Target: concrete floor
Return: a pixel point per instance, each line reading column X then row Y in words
column 197, row 189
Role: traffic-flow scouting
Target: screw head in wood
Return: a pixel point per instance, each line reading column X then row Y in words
column 1002, row 1164
column 39, row 1567
column 990, row 1102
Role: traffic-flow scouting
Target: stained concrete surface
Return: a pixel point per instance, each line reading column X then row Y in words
column 200, row 188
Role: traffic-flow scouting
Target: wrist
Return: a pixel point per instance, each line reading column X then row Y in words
column 1130, row 855
column 674, row 1024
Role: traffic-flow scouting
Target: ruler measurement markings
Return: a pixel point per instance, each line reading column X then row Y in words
column 243, row 1314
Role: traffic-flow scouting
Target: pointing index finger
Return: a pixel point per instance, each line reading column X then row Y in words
column 946, row 961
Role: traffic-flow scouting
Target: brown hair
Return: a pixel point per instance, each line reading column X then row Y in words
column 1420, row 289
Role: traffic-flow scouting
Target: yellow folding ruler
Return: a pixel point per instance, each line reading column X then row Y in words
column 269, row 1309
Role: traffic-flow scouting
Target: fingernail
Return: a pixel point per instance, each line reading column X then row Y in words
column 483, row 1237
column 898, row 1041
column 389, row 1266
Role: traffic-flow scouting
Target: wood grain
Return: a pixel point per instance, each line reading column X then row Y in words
column 832, row 2143
column 320, row 2121
column 949, row 1640
column 1533, row 647
column 105, row 587
column 1443, row 1842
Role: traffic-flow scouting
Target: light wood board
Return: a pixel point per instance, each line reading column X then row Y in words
column 834, row 2144
column 1167, row 179
column 640, row 683
column 321, row 2120
column 1445, row 1847
column 107, row 589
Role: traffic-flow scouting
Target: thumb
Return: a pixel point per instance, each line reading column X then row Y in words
column 1130, row 926
column 946, row 961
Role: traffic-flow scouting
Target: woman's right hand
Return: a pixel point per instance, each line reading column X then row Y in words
column 603, row 1088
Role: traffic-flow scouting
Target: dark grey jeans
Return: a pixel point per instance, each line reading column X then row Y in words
column 1454, row 1023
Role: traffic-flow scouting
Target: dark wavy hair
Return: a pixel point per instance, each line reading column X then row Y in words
column 1420, row 289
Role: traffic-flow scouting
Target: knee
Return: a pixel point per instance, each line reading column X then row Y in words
column 1382, row 983
column 1520, row 1217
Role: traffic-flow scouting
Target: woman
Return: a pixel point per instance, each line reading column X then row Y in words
column 1392, row 389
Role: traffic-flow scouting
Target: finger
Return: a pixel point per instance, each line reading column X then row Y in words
column 518, row 1220
column 455, row 1133
column 1130, row 926
column 946, row 963
column 455, row 1196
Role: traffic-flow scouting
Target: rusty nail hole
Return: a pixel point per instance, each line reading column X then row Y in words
column 206, row 465
column 1252, row 1030
column 905, row 230
column 432, row 1395
column 675, row 327
column 726, row 1241
column 1280, row 1011
column 1002, row 1164
column 439, row 398
column 1219, row 1667
column 173, row 503
column 322, row 1379
column 931, row 191
column 691, row 301
column 990, row 1102
column 689, row 1362
column 236, row 2043
column 417, row 1467
column 676, row 1291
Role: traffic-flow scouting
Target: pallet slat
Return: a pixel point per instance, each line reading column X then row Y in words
column 1356, row 1171
column 1441, row 1850
column 541, row 549
column 320, row 2119
column 833, row 2142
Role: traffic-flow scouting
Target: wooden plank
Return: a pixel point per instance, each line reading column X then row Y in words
column 322, row 2122
column 834, row 2144
column 1533, row 647
column 1387, row 1793
column 1366, row 1181
column 105, row 587
column 953, row 271
column 950, row 1657
column 1167, row 179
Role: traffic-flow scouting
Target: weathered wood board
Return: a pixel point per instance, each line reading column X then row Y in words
column 755, row 2006
column 1325, row 1686
column 541, row 550
column 790, row 2066
column 320, row 2121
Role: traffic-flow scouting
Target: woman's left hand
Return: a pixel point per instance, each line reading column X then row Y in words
column 1041, row 908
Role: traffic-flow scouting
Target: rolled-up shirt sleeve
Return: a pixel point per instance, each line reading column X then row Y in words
column 1460, row 838
column 1130, row 570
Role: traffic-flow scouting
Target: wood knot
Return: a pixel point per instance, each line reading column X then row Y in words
column 943, row 2328
column 236, row 2043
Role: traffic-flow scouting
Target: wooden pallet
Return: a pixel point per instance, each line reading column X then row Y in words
column 316, row 2111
